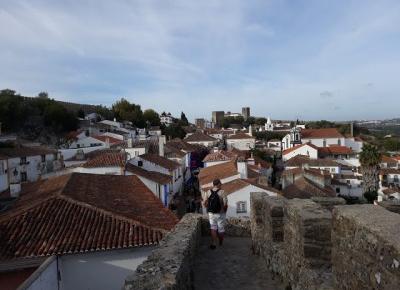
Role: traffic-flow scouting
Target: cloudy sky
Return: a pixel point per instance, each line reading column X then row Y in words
column 308, row 59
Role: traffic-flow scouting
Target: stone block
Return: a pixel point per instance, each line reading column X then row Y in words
column 366, row 251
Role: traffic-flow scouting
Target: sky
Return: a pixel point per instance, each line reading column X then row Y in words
column 310, row 59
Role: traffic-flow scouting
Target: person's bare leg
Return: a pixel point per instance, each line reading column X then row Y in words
column 214, row 238
column 221, row 238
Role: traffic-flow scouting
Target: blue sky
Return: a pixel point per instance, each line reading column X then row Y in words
column 321, row 59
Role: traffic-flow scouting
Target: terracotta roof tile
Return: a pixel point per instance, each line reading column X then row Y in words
column 80, row 213
column 320, row 133
column 301, row 160
column 25, row 151
column 240, row 135
column 335, row 150
column 387, row 159
column 220, row 171
column 220, row 156
column 107, row 159
column 199, row 137
column 182, row 145
column 161, row 161
column 151, row 175
column 305, row 188
column 112, row 140
column 389, row 171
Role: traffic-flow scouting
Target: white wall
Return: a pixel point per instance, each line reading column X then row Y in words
column 319, row 142
column 34, row 167
column 69, row 153
column 112, row 170
column 204, row 143
column 241, row 144
column 86, row 142
column 3, row 175
column 243, row 195
column 105, row 270
column 355, row 145
column 304, row 150
column 44, row 278
column 134, row 152
column 212, row 163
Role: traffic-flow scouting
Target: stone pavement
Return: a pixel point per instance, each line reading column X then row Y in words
column 232, row 266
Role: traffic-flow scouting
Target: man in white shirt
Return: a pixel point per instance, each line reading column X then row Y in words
column 217, row 205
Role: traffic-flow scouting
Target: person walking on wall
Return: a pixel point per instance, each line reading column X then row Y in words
column 217, row 205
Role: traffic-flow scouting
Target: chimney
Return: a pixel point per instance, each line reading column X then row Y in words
column 130, row 142
column 352, row 129
column 215, row 149
column 242, row 168
column 107, row 142
column 251, row 130
column 161, row 143
column 115, row 119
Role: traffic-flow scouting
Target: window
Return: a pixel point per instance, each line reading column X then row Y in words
column 396, row 178
column 1, row 167
column 23, row 160
column 43, row 158
column 324, row 143
column 337, row 189
column 23, row 177
column 241, row 207
column 339, row 142
column 333, row 170
column 140, row 163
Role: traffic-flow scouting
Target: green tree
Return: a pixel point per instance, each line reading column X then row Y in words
column 81, row 113
column 370, row 159
column 43, row 95
column 152, row 117
column 391, row 144
column 184, row 121
column 173, row 131
column 126, row 111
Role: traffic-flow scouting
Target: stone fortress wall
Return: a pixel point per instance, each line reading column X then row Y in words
column 321, row 244
column 308, row 244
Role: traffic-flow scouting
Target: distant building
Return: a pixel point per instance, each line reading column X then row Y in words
column 200, row 123
column 166, row 119
column 218, row 117
column 246, row 112
column 230, row 114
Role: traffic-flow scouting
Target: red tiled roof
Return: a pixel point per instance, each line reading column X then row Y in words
column 335, row 150
column 160, row 161
column 219, row 156
column 312, row 171
column 299, row 146
column 182, row 145
column 151, row 175
column 320, row 133
column 389, row 171
column 305, row 188
column 240, row 135
column 25, row 151
column 82, row 212
column 199, row 137
column 111, row 140
column 107, row 159
column 220, row 171
column 300, row 160
column 387, row 159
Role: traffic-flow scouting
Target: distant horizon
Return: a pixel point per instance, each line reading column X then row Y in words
column 177, row 115
column 314, row 60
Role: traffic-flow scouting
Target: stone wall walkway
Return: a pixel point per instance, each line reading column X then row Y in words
column 232, row 266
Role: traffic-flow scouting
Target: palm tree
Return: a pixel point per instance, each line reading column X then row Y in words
column 370, row 159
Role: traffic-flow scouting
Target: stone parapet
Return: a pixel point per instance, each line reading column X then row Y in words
column 366, row 252
column 328, row 202
column 170, row 266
